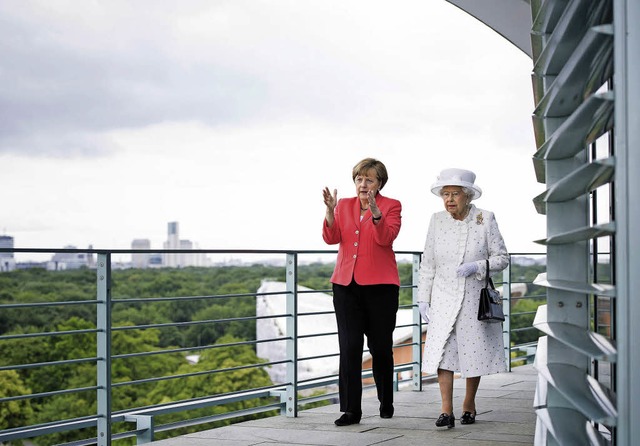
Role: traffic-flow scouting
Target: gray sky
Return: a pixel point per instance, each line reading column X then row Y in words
column 230, row 116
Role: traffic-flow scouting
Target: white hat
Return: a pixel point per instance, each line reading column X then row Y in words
column 456, row 177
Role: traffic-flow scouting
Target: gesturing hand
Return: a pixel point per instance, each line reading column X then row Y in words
column 330, row 200
column 466, row 269
column 373, row 206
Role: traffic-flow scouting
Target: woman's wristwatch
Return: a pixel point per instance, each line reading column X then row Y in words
column 376, row 218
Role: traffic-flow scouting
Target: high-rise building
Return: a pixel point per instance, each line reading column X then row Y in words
column 173, row 242
column 140, row 260
column 178, row 260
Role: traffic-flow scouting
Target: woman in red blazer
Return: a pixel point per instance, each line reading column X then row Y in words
column 366, row 284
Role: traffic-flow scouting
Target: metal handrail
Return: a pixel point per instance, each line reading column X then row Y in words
column 287, row 393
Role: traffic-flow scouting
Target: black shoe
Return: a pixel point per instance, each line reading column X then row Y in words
column 386, row 411
column 468, row 418
column 347, row 419
column 446, row 420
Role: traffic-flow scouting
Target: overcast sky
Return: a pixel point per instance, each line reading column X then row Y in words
column 230, row 116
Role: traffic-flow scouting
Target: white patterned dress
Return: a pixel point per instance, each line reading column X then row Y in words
column 456, row 339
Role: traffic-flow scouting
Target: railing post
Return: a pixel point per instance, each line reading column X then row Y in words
column 292, row 335
column 417, row 327
column 506, row 303
column 145, row 427
column 103, row 340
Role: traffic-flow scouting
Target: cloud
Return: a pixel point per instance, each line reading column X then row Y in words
column 80, row 70
column 75, row 74
column 130, row 114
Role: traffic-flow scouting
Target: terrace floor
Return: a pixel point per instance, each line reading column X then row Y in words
column 505, row 417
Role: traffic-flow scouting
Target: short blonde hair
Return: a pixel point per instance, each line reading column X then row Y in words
column 367, row 164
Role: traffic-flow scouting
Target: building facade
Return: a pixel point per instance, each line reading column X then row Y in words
column 7, row 260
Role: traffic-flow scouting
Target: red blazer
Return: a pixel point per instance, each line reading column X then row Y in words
column 366, row 249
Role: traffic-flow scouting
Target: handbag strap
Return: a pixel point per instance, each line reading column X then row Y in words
column 487, row 279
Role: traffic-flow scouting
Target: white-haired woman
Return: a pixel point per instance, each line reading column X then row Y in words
column 452, row 272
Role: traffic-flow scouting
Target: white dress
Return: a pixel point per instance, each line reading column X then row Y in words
column 456, row 340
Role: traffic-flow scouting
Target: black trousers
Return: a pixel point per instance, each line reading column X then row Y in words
column 365, row 310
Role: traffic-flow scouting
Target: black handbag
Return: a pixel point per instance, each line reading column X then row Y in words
column 490, row 305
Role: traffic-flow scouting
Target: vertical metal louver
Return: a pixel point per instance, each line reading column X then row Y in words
column 572, row 50
column 586, row 86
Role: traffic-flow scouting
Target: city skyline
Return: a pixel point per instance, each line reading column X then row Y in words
column 72, row 260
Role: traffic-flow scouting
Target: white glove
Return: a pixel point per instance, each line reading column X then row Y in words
column 423, row 307
column 466, row 269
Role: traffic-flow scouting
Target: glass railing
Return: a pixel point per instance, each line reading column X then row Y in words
column 103, row 353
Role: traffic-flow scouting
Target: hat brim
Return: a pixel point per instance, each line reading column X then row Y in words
column 438, row 185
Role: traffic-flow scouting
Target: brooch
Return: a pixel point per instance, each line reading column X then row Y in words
column 479, row 219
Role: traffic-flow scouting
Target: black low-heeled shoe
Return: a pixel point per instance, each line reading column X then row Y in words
column 347, row 419
column 386, row 411
column 468, row 418
column 446, row 420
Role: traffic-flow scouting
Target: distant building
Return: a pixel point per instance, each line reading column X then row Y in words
column 155, row 261
column 7, row 260
column 169, row 260
column 173, row 242
column 141, row 260
column 316, row 310
column 179, row 260
column 71, row 260
column 323, row 321
column 31, row 264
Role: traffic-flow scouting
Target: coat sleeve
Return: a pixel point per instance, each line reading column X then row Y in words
column 332, row 235
column 427, row 269
column 498, row 255
column 387, row 229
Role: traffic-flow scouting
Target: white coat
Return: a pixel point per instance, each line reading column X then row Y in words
column 454, row 300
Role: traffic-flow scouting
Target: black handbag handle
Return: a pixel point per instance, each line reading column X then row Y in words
column 487, row 279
